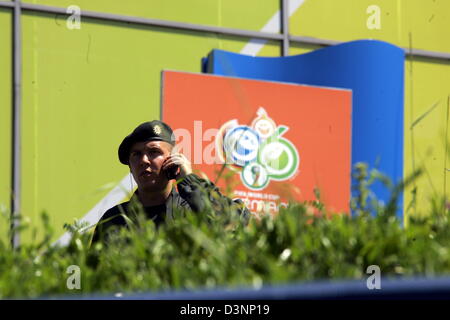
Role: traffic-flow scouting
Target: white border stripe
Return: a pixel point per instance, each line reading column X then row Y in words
column 254, row 46
column 116, row 195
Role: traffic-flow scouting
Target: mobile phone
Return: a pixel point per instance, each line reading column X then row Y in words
column 171, row 172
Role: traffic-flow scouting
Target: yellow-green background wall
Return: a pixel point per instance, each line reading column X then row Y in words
column 420, row 24
column 5, row 118
column 84, row 90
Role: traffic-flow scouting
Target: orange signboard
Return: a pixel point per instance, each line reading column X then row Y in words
column 265, row 142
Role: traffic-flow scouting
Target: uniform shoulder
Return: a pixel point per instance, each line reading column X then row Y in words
column 116, row 211
column 112, row 217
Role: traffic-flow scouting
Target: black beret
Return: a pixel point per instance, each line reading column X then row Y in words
column 148, row 131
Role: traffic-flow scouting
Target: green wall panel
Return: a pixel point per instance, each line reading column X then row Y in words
column 427, row 91
column 296, row 48
column 420, row 24
column 344, row 20
column 5, row 118
column 84, row 90
column 424, row 23
column 270, row 49
column 250, row 14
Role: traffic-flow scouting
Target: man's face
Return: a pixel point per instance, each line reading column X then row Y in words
column 146, row 159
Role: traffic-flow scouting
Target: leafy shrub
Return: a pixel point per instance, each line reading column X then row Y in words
column 303, row 242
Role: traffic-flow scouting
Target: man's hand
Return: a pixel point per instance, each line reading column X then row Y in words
column 178, row 160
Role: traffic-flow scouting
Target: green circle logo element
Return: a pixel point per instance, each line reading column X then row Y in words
column 280, row 159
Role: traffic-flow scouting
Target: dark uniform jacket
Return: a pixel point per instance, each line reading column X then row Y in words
column 193, row 194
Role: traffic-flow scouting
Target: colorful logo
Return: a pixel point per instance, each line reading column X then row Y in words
column 258, row 152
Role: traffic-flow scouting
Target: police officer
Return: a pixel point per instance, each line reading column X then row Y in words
column 148, row 151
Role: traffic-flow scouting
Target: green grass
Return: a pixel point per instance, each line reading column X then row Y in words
column 207, row 250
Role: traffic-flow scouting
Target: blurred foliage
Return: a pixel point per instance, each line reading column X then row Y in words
column 303, row 242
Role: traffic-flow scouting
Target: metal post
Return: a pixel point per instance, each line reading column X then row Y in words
column 155, row 22
column 284, row 36
column 285, row 27
column 16, row 123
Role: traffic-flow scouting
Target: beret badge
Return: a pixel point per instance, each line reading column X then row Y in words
column 157, row 130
